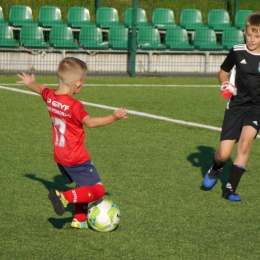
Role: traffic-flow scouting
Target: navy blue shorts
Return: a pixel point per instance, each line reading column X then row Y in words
column 84, row 174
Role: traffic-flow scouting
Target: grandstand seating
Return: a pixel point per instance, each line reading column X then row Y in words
column 141, row 18
column 191, row 19
column 32, row 37
column 78, row 17
column 148, row 38
column 205, row 39
column 218, row 19
column 61, row 37
column 231, row 37
column 7, row 37
column 240, row 18
column 177, row 39
column 107, row 17
column 163, row 18
column 49, row 16
column 92, row 38
column 118, row 38
column 20, row 15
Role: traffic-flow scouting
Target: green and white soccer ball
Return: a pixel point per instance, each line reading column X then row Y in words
column 103, row 215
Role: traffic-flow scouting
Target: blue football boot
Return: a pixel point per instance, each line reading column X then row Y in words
column 210, row 177
column 230, row 195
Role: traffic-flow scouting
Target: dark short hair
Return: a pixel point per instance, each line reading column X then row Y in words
column 253, row 20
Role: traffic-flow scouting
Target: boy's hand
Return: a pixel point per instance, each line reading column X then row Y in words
column 228, row 90
column 120, row 113
column 29, row 81
column 26, row 79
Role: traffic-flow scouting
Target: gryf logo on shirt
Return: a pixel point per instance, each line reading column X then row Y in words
column 58, row 104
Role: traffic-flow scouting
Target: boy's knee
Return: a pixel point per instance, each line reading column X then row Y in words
column 100, row 191
column 222, row 156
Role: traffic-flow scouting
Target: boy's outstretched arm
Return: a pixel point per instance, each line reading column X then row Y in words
column 29, row 81
column 91, row 122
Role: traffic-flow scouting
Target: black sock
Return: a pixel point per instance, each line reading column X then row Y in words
column 235, row 176
column 217, row 165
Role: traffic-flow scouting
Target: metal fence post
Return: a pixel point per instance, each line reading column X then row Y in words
column 236, row 7
column 97, row 4
column 133, row 39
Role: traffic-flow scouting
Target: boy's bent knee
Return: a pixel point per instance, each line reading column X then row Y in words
column 100, row 191
column 222, row 156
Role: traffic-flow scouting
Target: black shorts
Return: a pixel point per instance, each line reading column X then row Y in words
column 238, row 116
column 84, row 174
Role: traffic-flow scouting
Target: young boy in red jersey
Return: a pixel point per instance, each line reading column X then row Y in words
column 68, row 117
column 242, row 116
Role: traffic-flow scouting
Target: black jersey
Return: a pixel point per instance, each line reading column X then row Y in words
column 247, row 78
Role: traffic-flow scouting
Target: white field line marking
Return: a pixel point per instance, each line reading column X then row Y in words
column 131, row 85
column 133, row 112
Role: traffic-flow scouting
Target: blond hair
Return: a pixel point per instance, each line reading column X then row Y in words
column 71, row 70
column 253, row 21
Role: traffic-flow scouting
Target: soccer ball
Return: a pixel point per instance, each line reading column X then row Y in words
column 103, row 215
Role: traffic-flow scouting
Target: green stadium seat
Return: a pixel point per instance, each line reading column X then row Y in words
column 231, row 37
column 107, row 17
column 7, row 37
column 78, row 17
column 205, row 39
column 240, row 18
column 61, row 37
column 141, row 18
column 32, row 37
column 163, row 18
column 118, row 38
column 177, row 39
column 2, row 19
column 49, row 16
column 191, row 19
column 148, row 38
column 92, row 38
column 218, row 19
column 20, row 15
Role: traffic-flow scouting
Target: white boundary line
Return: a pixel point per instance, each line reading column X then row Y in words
column 132, row 85
column 133, row 112
column 129, row 111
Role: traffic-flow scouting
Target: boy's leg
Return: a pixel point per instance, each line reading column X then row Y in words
column 79, row 220
column 243, row 150
column 84, row 194
column 219, row 160
column 234, row 179
column 80, row 216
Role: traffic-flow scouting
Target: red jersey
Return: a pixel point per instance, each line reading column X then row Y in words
column 68, row 133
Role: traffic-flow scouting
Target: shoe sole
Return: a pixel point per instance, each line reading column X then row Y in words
column 56, row 203
column 233, row 198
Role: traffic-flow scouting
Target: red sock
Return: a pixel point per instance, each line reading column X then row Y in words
column 81, row 211
column 85, row 194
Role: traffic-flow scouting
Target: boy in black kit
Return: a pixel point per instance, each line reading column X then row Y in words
column 242, row 116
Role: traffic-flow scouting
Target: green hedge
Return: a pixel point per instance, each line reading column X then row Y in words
column 149, row 5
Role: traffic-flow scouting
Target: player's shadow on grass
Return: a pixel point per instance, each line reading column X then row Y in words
column 204, row 159
column 59, row 223
column 57, row 183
